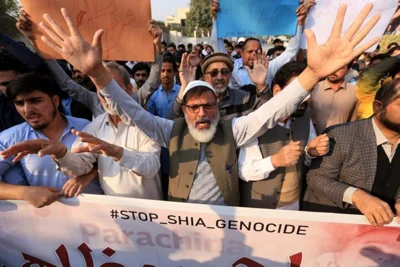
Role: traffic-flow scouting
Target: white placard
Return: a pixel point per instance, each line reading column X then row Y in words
column 323, row 15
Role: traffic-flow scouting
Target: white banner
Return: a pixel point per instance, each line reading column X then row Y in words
column 110, row 232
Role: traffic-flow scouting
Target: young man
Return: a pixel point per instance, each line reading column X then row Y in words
column 127, row 160
column 36, row 100
column 162, row 100
column 272, row 165
column 334, row 101
column 203, row 165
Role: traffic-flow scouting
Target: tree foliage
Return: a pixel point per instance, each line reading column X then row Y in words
column 8, row 15
column 199, row 18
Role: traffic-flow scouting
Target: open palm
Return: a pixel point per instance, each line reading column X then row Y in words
column 76, row 50
column 339, row 51
column 258, row 75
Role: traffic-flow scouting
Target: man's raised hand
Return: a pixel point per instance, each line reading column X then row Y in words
column 339, row 50
column 83, row 56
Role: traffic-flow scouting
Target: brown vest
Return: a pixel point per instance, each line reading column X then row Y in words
column 266, row 193
column 184, row 158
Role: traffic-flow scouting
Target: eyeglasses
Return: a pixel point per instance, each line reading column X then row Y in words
column 214, row 73
column 196, row 108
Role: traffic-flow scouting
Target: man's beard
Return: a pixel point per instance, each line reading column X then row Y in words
column 140, row 83
column 45, row 124
column 204, row 135
column 387, row 123
column 220, row 91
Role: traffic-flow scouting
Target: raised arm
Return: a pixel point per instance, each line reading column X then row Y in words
column 337, row 52
column 216, row 42
column 74, row 90
column 88, row 59
column 293, row 46
column 154, row 80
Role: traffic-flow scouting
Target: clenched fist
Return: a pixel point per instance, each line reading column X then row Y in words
column 288, row 155
column 319, row 146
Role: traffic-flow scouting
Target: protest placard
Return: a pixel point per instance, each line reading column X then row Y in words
column 323, row 14
column 124, row 22
column 257, row 17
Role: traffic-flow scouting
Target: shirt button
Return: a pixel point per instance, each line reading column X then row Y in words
column 187, row 186
column 190, row 173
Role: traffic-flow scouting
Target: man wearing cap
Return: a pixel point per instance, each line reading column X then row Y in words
column 203, row 165
column 241, row 75
column 217, row 71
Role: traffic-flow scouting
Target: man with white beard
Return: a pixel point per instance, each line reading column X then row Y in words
column 203, row 165
column 217, row 71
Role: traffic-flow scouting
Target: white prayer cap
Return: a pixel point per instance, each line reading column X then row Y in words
column 197, row 84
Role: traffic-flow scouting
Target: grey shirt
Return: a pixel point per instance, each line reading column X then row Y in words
column 90, row 99
column 205, row 189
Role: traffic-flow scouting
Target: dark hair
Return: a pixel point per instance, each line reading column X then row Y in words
column 190, row 46
column 212, row 49
column 380, row 57
column 195, row 92
column 9, row 63
column 182, row 46
column 386, row 93
column 391, row 51
column 172, row 45
column 172, row 61
column 251, row 39
column 277, row 41
column 279, row 48
column 392, row 43
column 164, row 43
column 27, row 83
column 201, row 46
column 287, row 72
column 141, row 66
column 239, row 46
column 230, row 45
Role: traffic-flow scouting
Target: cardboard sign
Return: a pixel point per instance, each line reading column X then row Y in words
column 125, row 24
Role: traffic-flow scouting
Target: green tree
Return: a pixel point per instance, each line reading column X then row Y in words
column 8, row 15
column 199, row 17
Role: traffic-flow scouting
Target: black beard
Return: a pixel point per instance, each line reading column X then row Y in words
column 44, row 125
column 387, row 123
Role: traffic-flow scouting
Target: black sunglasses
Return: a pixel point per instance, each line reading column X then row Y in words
column 214, row 73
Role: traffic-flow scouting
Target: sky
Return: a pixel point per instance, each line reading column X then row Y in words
column 162, row 8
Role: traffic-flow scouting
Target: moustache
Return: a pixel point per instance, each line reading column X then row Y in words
column 197, row 122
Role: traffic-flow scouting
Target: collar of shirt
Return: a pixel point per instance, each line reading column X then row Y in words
column 326, row 86
column 173, row 89
column 70, row 126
